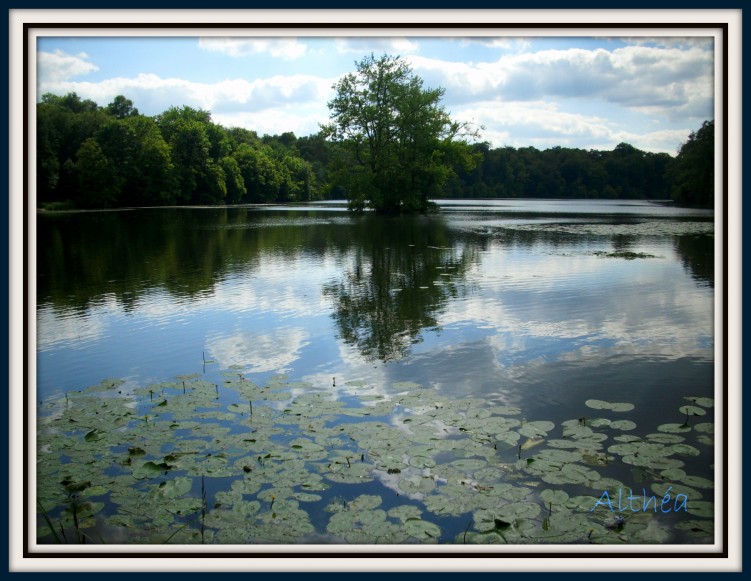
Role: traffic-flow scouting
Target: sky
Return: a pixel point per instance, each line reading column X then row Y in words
column 582, row 92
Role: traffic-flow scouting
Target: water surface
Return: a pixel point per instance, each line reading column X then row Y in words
column 541, row 305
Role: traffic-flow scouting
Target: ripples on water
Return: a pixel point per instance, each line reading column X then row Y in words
column 536, row 304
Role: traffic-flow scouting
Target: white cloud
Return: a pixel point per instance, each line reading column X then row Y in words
column 702, row 42
column 287, row 48
column 156, row 94
column 57, row 66
column 542, row 124
column 499, row 42
column 377, row 45
column 300, row 120
column 665, row 80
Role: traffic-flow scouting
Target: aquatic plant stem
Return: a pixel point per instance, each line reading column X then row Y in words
column 49, row 523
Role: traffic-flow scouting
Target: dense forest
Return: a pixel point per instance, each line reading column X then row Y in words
column 90, row 156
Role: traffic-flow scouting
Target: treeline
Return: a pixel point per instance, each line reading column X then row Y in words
column 624, row 173
column 105, row 157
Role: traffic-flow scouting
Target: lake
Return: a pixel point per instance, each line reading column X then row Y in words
column 494, row 373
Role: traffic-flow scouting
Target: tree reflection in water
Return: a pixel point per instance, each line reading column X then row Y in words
column 403, row 272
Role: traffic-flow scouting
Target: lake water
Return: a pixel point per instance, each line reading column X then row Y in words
column 545, row 315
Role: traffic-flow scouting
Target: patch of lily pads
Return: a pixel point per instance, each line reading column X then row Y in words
column 194, row 462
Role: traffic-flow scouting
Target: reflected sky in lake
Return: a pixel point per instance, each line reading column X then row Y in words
column 512, row 300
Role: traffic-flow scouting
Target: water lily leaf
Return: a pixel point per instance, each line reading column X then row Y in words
column 697, row 527
column 701, row 508
column 305, row 445
column 692, row 410
column 596, row 459
column 86, row 509
column 673, row 428
column 175, row 487
column 581, row 503
column 549, row 496
column 94, row 435
column 705, row 428
column 422, row 529
column 697, row 481
column 468, row 465
column 504, row 410
column 405, row 385
column 706, row 402
column 673, row 474
column 150, row 470
column 365, row 502
column 624, row 425
column 684, row 450
column 597, row 404
column 422, row 462
column 404, row 512
column 536, row 429
column 626, row 438
column 653, row 462
column 578, row 431
column 518, row 510
column 506, row 440
column 665, row 438
column 77, row 486
column 484, row 538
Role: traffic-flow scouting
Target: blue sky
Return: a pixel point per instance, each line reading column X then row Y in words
column 586, row 92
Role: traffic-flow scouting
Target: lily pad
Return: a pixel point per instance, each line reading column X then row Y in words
column 549, row 496
column 624, row 425
column 599, row 404
column 692, row 410
column 422, row 529
column 422, row 462
column 673, row 428
column 700, row 508
column 150, row 470
column 706, row 402
column 468, row 465
column 536, row 429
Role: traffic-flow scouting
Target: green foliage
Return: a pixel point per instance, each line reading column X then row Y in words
column 693, row 171
column 390, row 146
column 99, row 184
column 565, row 173
column 102, row 465
column 397, row 140
column 142, row 160
column 121, row 108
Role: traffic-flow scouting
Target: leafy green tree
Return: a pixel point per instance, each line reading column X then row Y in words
column 99, row 184
column 260, row 173
column 692, row 173
column 195, row 142
column 399, row 143
column 298, row 183
column 121, row 108
column 143, row 161
column 63, row 124
column 235, row 183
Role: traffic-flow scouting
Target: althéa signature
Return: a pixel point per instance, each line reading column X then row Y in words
column 643, row 503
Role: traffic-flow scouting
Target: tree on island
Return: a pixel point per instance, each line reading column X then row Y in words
column 395, row 145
